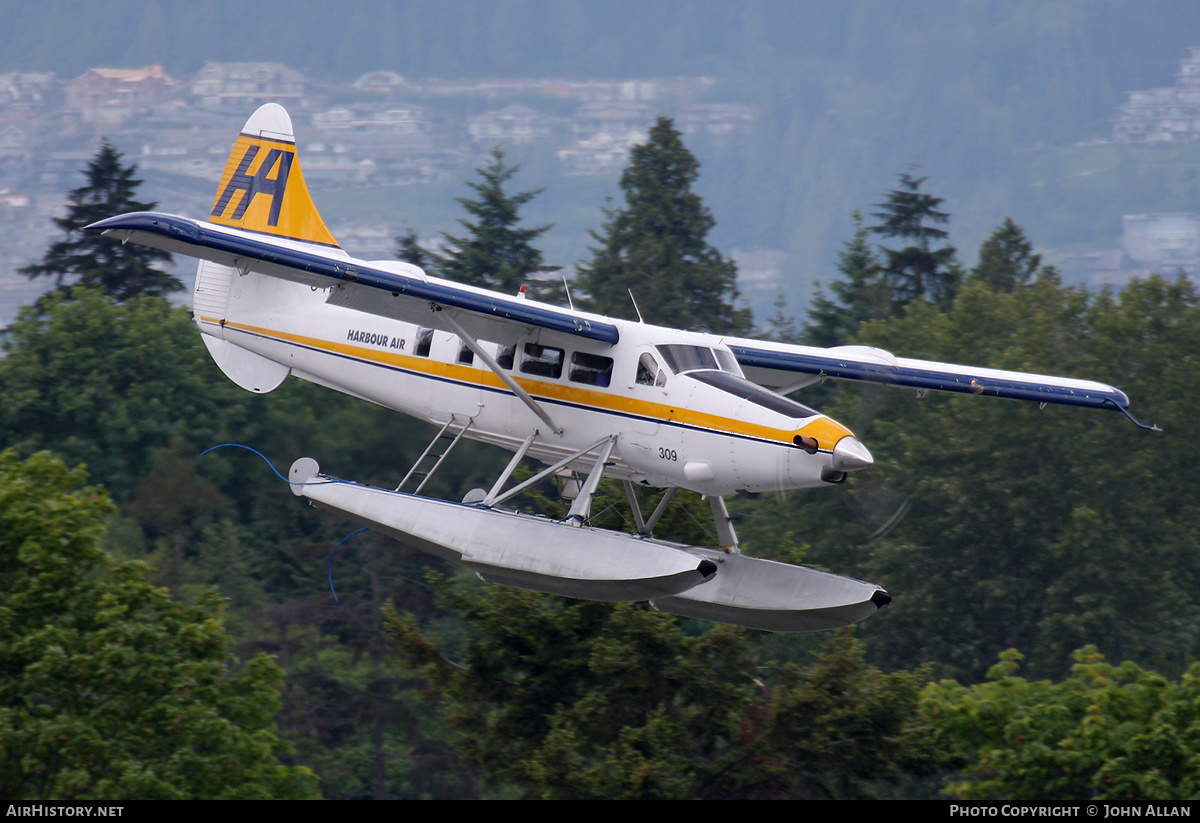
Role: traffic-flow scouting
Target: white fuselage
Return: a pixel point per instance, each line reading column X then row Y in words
column 671, row 429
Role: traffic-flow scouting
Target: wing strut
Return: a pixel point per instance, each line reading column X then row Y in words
column 508, row 470
column 504, row 376
column 495, row 498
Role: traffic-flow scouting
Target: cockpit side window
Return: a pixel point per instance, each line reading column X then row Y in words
column 727, row 361
column 648, row 372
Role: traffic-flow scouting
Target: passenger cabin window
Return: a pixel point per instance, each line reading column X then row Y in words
column 424, row 342
column 593, row 369
column 505, row 356
column 543, row 361
column 648, row 372
column 465, row 355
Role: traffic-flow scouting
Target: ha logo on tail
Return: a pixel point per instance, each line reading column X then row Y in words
column 262, row 189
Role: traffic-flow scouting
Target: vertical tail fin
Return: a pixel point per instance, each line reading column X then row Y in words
column 262, row 188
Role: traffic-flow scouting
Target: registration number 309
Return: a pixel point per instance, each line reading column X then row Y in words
column 667, row 454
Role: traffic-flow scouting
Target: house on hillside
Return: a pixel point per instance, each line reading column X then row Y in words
column 383, row 82
column 512, row 124
column 22, row 93
column 111, row 96
column 714, row 118
column 243, row 87
column 1170, row 115
column 1165, row 242
column 611, row 119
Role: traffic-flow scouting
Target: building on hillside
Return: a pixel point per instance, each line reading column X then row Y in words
column 714, row 118
column 397, row 121
column 1163, row 242
column 511, row 124
column 1170, row 115
column 613, row 118
column 23, row 93
column 112, row 96
column 384, row 82
column 601, row 153
column 369, row 241
column 243, row 87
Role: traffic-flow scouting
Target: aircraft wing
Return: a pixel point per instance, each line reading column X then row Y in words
column 787, row 366
column 386, row 288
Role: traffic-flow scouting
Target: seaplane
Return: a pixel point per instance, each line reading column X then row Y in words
column 586, row 396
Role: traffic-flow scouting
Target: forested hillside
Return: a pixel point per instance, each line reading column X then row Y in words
column 1061, row 536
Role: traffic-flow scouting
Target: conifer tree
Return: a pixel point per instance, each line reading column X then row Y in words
column 111, row 689
column 495, row 253
column 87, row 258
column 862, row 295
column 656, row 246
column 408, row 250
column 918, row 271
column 1006, row 259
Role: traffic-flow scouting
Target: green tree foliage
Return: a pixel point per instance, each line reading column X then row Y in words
column 111, row 690
column 860, row 295
column 657, row 246
column 1006, row 259
column 918, row 271
column 130, row 389
column 107, row 383
column 1117, row 733
column 997, row 524
column 572, row 699
column 408, row 250
column 89, row 259
column 495, row 253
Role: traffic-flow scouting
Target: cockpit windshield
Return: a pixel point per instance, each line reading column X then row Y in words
column 689, row 358
column 742, row 388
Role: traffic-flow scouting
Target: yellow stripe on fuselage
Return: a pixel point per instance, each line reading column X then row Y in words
column 825, row 430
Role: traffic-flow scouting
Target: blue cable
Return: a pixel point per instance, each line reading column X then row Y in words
column 270, row 464
column 329, row 565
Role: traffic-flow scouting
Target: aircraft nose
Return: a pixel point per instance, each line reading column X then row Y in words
column 850, row 455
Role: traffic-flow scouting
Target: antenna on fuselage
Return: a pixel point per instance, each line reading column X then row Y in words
column 567, row 288
column 635, row 306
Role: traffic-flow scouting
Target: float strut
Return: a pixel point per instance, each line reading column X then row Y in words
column 582, row 507
column 725, row 533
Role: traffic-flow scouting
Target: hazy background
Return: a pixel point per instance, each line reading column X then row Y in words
column 1006, row 107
